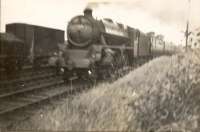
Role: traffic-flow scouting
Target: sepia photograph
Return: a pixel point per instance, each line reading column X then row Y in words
column 99, row 65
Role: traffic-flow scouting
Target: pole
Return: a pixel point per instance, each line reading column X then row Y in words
column 186, row 35
column 187, row 27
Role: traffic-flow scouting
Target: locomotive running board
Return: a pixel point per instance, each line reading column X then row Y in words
column 118, row 47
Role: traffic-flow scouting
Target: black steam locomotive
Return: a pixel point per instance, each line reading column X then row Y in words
column 99, row 47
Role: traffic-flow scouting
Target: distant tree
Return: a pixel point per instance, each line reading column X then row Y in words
column 160, row 37
column 151, row 34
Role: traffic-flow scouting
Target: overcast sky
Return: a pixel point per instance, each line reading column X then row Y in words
column 167, row 17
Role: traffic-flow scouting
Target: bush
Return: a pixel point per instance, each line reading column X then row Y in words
column 173, row 98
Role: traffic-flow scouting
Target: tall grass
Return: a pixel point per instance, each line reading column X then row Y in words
column 163, row 94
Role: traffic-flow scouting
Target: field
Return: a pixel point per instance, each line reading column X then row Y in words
column 163, row 94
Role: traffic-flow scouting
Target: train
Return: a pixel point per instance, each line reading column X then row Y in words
column 27, row 45
column 97, row 48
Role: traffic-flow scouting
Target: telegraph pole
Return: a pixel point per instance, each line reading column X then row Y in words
column 187, row 33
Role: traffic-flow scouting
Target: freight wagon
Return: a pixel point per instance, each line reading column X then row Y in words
column 10, row 53
column 39, row 42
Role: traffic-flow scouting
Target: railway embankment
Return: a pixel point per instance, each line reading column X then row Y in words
column 163, row 94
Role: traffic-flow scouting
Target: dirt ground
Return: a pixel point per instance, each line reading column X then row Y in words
column 161, row 95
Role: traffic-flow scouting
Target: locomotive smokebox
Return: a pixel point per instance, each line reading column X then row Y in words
column 88, row 12
column 83, row 30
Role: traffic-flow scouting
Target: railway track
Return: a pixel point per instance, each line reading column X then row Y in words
column 29, row 88
column 32, row 88
column 18, row 92
column 35, row 86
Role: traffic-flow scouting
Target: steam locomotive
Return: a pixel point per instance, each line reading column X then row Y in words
column 99, row 47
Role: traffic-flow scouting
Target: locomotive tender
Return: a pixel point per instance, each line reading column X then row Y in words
column 99, row 47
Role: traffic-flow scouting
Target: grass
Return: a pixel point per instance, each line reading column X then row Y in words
column 161, row 95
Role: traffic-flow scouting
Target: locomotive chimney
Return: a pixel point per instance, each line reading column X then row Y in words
column 88, row 12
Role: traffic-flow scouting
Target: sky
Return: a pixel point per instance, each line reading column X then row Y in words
column 167, row 17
